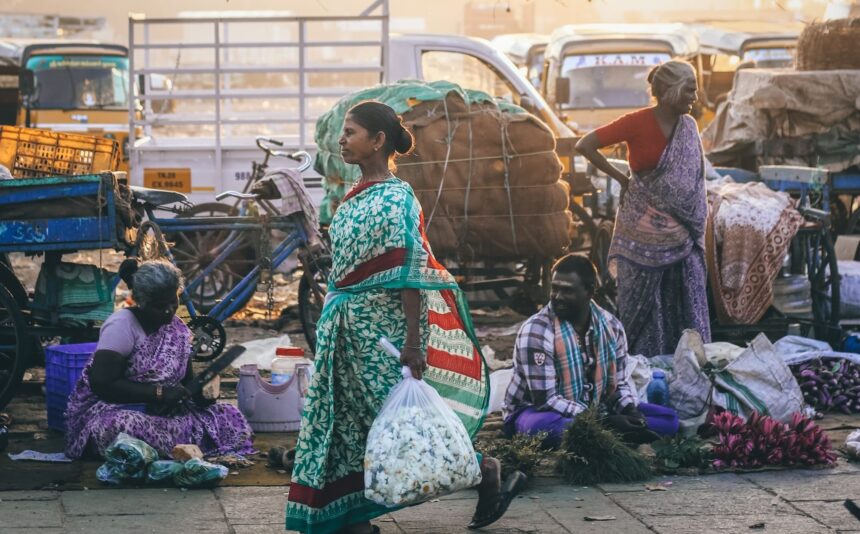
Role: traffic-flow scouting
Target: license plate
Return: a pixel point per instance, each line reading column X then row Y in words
column 178, row 180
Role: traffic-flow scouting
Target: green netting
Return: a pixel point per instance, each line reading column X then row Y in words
column 401, row 96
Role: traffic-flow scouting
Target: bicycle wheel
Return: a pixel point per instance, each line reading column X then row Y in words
column 13, row 344
column 312, row 297
column 193, row 252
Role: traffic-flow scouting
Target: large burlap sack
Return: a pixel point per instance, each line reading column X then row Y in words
column 486, row 173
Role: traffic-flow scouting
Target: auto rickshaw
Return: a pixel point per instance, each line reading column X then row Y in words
column 526, row 50
column 594, row 73
column 727, row 46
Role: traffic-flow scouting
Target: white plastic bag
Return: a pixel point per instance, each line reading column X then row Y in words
column 417, row 448
column 852, row 444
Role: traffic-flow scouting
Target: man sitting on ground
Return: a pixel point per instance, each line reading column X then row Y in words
column 570, row 355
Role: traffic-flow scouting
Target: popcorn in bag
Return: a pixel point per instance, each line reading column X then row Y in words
column 417, row 447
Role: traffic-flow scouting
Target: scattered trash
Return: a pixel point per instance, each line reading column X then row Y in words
column 35, row 456
column 534, row 497
column 852, row 444
column 656, row 487
column 775, row 501
column 599, row 518
column 757, row 526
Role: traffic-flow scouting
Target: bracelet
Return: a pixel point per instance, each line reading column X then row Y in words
column 159, row 389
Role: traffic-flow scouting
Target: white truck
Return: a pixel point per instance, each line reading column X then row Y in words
column 235, row 78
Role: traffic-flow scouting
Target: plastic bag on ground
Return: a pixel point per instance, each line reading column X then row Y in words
column 163, row 471
column 197, row 473
column 417, row 448
column 852, row 444
column 126, row 459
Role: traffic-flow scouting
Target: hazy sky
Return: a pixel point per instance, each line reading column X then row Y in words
column 447, row 16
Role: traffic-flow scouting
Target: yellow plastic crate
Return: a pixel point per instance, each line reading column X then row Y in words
column 32, row 152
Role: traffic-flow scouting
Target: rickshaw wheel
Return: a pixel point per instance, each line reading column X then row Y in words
column 13, row 345
column 813, row 255
column 192, row 252
column 607, row 291
column 312, row 297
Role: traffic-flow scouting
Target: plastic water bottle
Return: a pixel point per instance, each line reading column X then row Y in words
column 658, row 389
column 284, row 364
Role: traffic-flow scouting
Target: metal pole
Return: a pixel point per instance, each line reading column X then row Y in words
column 131, row 99
column 302, row 109
column 220, row 178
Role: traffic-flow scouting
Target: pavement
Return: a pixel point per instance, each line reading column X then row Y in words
column 785, row 502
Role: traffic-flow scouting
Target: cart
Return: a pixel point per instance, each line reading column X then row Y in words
column 57, row 215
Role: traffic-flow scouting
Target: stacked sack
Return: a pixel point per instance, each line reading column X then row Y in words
column 486, row 173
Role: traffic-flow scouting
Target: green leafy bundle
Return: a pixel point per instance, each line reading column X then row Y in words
column 521, row 453
column 682, row 452
column 593, row 454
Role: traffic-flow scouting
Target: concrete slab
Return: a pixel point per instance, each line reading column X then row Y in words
column 31, row 513
column 148, row 524
column 708, row 503
column 8, row 496
column 831, row 513
column 770, row 523
column 721, row 482
column 277, row 528
column 193, row 505
column 252, row 505
column 570, row 512
column 452, row 516
column 802, row 486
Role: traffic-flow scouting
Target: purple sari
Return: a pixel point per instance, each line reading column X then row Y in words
column 657, row 250
column 161, row 358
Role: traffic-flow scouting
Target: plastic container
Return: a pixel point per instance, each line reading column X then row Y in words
column 64, row 365
column 285, row 362
column 658, row 389
column 32, row 152
column 272, row 408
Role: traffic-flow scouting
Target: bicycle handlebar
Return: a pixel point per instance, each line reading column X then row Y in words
column 236, row 194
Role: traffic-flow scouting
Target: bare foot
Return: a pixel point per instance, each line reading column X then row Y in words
column 491, row 482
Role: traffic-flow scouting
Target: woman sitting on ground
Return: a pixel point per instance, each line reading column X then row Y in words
column 144, row 357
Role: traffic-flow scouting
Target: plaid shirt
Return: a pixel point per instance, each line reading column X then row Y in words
column 534, row 381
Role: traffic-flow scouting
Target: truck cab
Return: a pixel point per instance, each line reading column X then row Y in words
column 727, row 46
column 76, row 87
column 595, row 73
column 526, row 50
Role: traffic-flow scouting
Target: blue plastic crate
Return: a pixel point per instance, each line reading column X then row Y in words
column 64, row 365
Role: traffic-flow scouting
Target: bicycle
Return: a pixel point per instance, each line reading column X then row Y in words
column 209, row 334
column 196, row 250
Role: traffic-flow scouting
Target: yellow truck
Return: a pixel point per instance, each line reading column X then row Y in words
column 71, row 87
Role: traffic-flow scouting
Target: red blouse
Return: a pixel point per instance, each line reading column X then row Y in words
column 644, row 138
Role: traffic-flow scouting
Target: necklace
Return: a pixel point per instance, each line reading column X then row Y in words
column 386, row 176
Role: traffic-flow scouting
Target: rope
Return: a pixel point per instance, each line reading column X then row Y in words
column 505, row 139
column 450, row 141
column 471, row 159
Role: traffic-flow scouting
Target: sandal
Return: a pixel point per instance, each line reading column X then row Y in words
column 512, row 486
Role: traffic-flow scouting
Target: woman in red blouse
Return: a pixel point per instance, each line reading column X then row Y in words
column 657, row 251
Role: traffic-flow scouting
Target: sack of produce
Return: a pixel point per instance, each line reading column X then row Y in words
column 417, row 448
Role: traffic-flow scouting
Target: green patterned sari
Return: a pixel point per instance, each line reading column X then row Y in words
column 379, row 248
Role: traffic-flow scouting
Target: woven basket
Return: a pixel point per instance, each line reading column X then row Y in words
column 831, row 45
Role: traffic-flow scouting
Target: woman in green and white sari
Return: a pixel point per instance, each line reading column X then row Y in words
column 384, row 282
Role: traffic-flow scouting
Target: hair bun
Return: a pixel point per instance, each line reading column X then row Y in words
column 405, row 142
column 126, row 271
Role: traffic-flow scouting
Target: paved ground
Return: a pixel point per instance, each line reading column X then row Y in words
column 787, row 502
